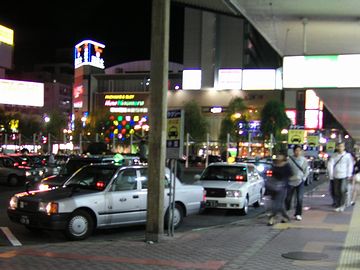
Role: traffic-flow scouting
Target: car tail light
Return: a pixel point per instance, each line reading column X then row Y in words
column 100, row 185
column 16, row 164
column 204, row 196
column 269, row 173
column 239, row 178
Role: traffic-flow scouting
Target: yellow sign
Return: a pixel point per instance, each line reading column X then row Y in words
column 296, row 136
column 313, row 141
column 6, row 35
column 173, row 129
column 330, row 146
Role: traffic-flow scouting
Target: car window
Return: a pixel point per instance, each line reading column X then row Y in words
column 126, row 180
column 225, row 173
column 144, row 179
column 7, row 162
column 90, row 177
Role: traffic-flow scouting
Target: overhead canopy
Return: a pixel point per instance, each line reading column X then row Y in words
column 306, row 27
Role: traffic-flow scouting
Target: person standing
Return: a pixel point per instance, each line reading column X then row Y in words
column 281, row 174
column 340, row 168
column 300, row 167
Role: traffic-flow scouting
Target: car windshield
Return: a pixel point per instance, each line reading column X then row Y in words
column 73, row 165
column 92, row 177
column 225, row 173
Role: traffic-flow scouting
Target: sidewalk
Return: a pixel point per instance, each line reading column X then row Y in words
column 324, row 239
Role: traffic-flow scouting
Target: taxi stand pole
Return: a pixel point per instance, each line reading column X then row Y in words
column 227, row 146
column 187, row 150
column 158, row 118
column 173, row 169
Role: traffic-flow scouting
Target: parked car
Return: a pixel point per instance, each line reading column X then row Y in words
column 232, row 186
column 15, row 174
column 99, row 196
column 73, row 164
column 264, row 168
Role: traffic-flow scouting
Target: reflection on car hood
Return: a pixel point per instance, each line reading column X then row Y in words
column 222, row 184
column 55, row 180
column 52, row 195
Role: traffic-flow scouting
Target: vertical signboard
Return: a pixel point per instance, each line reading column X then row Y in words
column 175, row 134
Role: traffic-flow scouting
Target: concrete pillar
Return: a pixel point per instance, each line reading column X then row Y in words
column 157, row 119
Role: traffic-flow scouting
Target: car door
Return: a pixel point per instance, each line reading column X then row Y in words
column 3, row 171
column 252, row 184
column 123, row 198
column 143, row 177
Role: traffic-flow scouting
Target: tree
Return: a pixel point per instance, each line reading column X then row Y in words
column 273, row 119
column 29, row 125
column 231, row 123
column 195, row 123
column 57, row 124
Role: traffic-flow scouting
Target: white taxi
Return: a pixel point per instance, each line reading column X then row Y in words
column 232, row 186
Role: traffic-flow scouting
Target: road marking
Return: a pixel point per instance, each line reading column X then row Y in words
column 13, row 240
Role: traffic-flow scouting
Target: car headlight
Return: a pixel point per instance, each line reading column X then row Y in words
column 49, row 207
column 43, row 187
column 233, row 193
column 41, row 173
column 13, row 202
column 27, row 173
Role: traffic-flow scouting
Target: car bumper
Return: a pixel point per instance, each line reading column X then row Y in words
column 225, row 203
column 39, row 220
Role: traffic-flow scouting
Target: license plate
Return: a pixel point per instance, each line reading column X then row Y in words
column 211, row 203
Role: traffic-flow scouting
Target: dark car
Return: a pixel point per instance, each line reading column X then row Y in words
column 14, row 174
column 72, row 165
column 263, row 167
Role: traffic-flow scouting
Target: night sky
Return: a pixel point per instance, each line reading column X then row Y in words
column 125, row 30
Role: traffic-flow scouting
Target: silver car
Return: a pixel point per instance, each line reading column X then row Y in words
column 99, row 196
column 232, row 186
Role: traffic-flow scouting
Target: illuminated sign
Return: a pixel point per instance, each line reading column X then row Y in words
column 6, row 35
column 259, row 79
column 126, row 103
column 291, row 114
column 89, row 52
column 329, row 71
column 21, row 93
column 229, row 79
column 191, row 79
column 78, row 93
column 216, row 110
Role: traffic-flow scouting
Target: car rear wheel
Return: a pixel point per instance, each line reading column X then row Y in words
column 80, row 225
column 13, row 180
column 260, row 200
column 244, row 211
column 178, row 216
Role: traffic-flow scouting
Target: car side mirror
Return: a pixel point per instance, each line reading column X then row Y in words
column 197, row 177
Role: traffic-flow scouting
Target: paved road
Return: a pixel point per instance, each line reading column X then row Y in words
column 209, row 219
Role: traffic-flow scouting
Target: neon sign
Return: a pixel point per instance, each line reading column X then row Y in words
column 6, row 35
column 89, row 52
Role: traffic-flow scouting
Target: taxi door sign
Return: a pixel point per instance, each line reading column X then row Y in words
column 296, row 136
column 175, row 134
column 312, row 141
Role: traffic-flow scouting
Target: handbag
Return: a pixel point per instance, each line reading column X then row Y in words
column 357, row 177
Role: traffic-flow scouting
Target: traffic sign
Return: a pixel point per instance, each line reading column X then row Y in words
column 296, row 136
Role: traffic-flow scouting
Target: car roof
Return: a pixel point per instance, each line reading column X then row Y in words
column 228, row 164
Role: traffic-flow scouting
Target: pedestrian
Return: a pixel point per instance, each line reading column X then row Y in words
column 279, row 181
column 143, row 151
column 340, row 168
column 300, row 167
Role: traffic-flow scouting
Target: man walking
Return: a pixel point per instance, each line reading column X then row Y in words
column 340, row 169
column 300, row 168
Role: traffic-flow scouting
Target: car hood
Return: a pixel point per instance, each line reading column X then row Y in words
column 55, row 180
column 53, row 194
column 229, row 185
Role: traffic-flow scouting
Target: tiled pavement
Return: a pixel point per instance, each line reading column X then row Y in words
column 246, row 244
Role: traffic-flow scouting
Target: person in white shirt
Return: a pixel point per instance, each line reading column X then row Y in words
column 340, row 169
column 300, row 168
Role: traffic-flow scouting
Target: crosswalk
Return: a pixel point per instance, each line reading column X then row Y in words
column 7, row 238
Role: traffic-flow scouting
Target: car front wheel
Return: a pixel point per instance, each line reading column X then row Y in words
column 245, row 209
column 80, row 225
